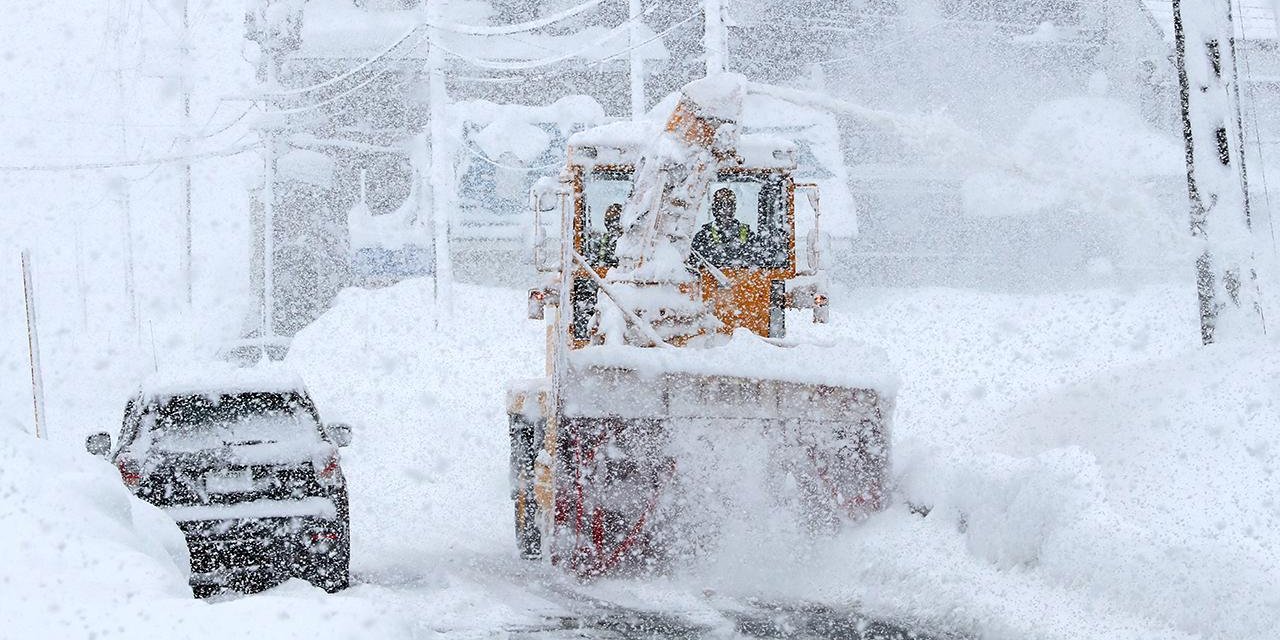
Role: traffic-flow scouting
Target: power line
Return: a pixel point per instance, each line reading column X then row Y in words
column 506, row 30
column 449, row 27
column 352, row 71
column 330, row 100
column 696, row 13
column 612, row 33
column 123, row 164
column 1257, row 136
column 483, row 63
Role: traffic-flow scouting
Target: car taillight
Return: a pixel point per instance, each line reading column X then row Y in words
column 129, row 472
column 330, row 473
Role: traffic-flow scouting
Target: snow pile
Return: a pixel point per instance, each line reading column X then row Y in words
column 1090, row 470
column 220, row 377
column 427, row 467
column 1095, row 155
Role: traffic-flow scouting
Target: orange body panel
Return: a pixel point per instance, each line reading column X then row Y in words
column 745, row 302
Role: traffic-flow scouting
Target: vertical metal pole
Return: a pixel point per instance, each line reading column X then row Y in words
column 33, row 345
column 269, row 237
column 126, row 205
column 637, row 63
column 268, row 216
column 130, row 288
column 713, row 36
column 441, row 166
column 1217, row 181
column 185, row 63
column 1275, row 13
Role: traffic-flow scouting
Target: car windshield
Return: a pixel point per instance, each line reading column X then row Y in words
column 205, row 421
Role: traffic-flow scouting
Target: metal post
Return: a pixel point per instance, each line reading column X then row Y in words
column 637, row 63
column 1217, row 180
column 268, row 210
column 185, row 63
column 441, row 167
column 1275, row 13
column 33, row 345
column 713, row 36
column 269, row 237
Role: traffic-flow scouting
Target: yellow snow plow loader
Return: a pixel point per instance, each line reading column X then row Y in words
column 669, row 378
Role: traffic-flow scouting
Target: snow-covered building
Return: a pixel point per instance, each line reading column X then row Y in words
column 1000, row 71
column 352, row 95
column 353, row 100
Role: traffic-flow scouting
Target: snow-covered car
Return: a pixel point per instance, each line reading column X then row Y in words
column 242, row 462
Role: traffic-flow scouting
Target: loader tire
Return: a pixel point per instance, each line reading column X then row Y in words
column 528, row 538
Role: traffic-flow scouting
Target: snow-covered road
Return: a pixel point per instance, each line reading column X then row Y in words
column 1092, row 472
column 541, row 603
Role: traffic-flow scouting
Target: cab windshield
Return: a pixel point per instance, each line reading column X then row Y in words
column 757, row 235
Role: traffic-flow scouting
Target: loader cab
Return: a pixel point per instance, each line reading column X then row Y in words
column 748, row 291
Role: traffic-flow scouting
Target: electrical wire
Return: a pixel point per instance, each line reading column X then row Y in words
column 202, row 132
column 506, row 30
column 1257, row 136
column 696, row 13
column 612, row 33
column 123, row 164
column 330, row 100
column 352, row 71
column 498, row 65
column 451, row 28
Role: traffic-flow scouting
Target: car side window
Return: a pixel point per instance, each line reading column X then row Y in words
column 131, row 423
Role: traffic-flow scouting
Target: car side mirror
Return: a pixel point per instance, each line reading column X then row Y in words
column 340, row 432
column 98, row 444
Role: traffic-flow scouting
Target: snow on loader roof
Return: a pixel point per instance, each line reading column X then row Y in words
column 623, row 143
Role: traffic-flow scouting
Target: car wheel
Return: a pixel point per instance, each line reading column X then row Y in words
column 331, row 570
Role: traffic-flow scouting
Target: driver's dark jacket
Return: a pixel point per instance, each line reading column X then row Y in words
column 724, row 247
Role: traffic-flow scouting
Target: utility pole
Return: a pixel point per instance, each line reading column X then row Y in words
column 183, row 74
column 638, row 101
column 276, row 26
column 184, row 78
column 124, row 198
column 441, row 166
column 1217, row 181
column 269, row 234
column 713, row 40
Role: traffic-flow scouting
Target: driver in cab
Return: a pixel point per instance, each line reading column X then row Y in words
column 724, row 242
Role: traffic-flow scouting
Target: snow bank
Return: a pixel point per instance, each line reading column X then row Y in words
column 1090, row 469
column 1091, row 472
column 1094, row 158
column 219, row 377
